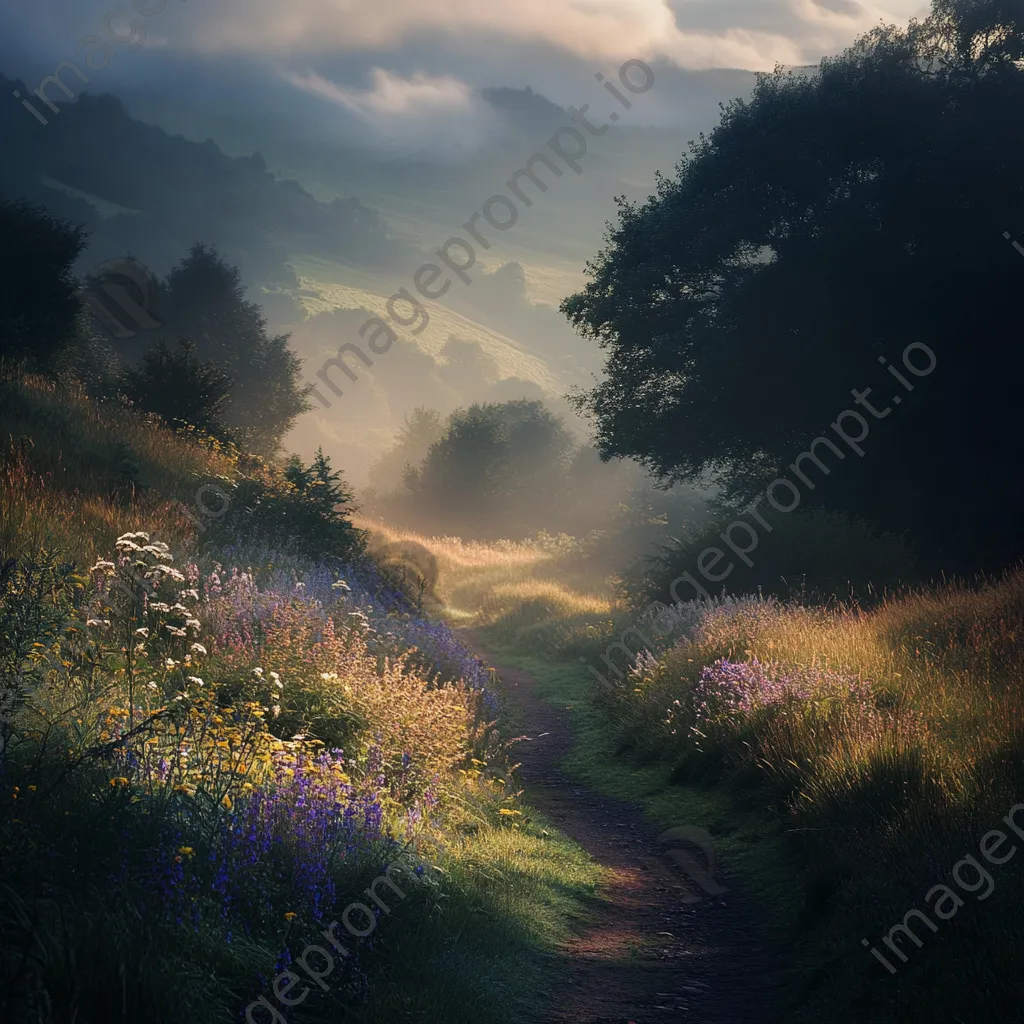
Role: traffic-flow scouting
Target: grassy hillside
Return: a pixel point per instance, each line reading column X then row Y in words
column 76, row 474
column 847, row 761
column 336, row 287
column 214, row 747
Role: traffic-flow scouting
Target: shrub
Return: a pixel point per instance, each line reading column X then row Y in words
column 177, row 386
column 305, row 511
column 811, row 555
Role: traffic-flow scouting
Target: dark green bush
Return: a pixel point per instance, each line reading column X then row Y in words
column 176, row 385
column 306, row 513
column 813, row 555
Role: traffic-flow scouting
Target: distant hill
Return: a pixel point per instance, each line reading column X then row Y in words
column 144, row 191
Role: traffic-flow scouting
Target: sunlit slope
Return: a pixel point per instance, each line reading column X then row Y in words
column 327, row 286
column 502, row 583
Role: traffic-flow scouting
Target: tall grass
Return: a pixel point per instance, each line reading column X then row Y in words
column 74, row 472
column 887, row 742
column 206, row 758
column 514, row 588
column 883, row 742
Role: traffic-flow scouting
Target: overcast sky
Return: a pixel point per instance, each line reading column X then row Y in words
column 389, row 63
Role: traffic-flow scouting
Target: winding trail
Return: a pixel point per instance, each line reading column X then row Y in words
column 659, row 948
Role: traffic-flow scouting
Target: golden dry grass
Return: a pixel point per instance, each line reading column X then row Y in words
column 75, row 474
column 494, row 583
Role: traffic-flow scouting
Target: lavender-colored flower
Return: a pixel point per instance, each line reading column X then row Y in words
column 727, row 688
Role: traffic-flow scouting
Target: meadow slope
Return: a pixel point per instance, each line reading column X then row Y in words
column 855, row 766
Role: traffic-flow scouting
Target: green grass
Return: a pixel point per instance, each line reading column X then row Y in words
column 839, row 813
column 80, row 936
column 751, row 839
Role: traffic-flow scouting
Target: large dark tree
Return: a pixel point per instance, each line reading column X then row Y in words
column 203, row 300
column 834, row 219
column 38, row 303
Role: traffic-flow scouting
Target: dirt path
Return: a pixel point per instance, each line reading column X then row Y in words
column 662, row 947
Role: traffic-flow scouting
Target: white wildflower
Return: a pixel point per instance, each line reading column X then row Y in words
column 198, row 649
column 172, row 574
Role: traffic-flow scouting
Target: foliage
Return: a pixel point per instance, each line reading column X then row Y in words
column 497, row 471
column 203, row 299
column 91, row 364
column 176, row 385
column 813, row 554
column 421, row 429
column 305, row 510
column 39, row 307
column 797, row 248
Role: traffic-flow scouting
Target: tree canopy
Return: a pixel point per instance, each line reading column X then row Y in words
column 175, row 384
column 39, row 306
column 832, row 220
column 496, row 469
column 203, row 299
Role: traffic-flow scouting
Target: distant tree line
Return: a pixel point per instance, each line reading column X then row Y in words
column 212, row 364
column 513, row 470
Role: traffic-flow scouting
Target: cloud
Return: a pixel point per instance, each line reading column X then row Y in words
column 753, row 34
column 403, row 76
column 392, row 95
column 409, row 114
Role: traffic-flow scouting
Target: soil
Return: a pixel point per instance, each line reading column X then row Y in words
column 661, row 946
